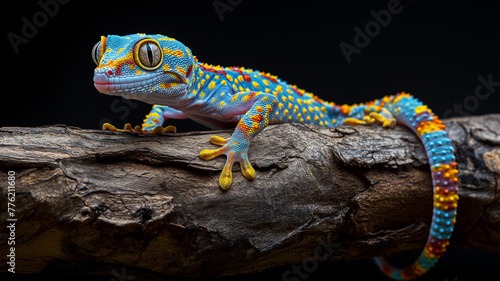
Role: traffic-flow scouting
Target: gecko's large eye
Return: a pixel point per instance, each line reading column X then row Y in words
column 98, row 50
column 96, row 53
column 148, row 54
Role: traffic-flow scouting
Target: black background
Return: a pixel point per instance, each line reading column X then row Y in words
column 435, row 51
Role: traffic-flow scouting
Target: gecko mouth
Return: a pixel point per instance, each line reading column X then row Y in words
column 141, row 83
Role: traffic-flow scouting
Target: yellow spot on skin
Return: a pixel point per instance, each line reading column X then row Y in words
column 289, row 118
column 323, row 108
column 283, row 98
column 279, row 88
column 304, row 110
column 138, row 72
column 235, row 88
column 295, row 108
column 290, row 98
column 211, row 86
column 222, row 103
column 223, row 82
column 289, row 91
column 268, row 90
column 290, row 105
column 422, row 108
column 299, row 116
column 285, row 112
column 222, row 94
column 216, row 77
column 308, row 118
column 316, row 118
column 229, row 77
column 119, row 50
column 240, row 78
column 202, row 82
column 334, row 121
column 311, row 109
column 202, row 94
column 213, row 100
column 280, row 105
column 299, row 101
column 265, row 98
column 301, row 120
column 181, row 70
column 275, row 94
column 241, row 89
column 326, row 123
column 177, row 53
column 266, row 82
column 259, row 108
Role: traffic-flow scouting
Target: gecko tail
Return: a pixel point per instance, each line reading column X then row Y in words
column 411, row 113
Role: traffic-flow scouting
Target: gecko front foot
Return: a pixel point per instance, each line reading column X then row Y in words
column 236, row 151
column 139, row 130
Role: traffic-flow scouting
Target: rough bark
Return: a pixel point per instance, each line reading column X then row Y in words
column 90, row 198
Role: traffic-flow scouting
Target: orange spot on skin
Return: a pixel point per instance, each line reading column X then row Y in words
column 257, row 117
column 345, row 109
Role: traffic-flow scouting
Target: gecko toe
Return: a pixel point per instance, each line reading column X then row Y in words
column 246, row 168
column 218, row 140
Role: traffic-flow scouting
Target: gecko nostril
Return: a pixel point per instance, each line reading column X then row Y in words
column 110, row 72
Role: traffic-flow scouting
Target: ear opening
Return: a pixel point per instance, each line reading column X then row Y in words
column 190, row 69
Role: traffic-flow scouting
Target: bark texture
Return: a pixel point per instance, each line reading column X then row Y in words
column 89, row 198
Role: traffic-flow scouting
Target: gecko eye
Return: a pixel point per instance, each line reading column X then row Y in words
column 148, row 54
column 96, row 53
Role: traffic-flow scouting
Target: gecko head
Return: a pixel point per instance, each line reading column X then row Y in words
column 155, row 69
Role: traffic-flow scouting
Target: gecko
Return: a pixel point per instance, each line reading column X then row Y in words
column 163, row 72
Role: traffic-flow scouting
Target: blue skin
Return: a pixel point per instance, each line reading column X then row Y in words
column 162, row 71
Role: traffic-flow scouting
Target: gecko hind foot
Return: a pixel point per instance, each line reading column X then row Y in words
column 139, row 130
column 235, row 152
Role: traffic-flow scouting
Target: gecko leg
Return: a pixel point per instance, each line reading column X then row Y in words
column 152, row 122
column 258, row 108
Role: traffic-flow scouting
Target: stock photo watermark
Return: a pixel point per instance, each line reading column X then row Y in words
column 31, row 26
column 363, row 37
column 484, row 89
column 309, row 265
column 123, row 276
column 10, row 237
column 223, row 6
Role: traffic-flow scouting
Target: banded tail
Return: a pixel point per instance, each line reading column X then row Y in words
column 411, row 113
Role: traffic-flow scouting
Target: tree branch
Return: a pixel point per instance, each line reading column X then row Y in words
column 148, row 202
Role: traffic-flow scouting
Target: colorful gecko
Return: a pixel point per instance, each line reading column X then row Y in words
column 160, row 70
